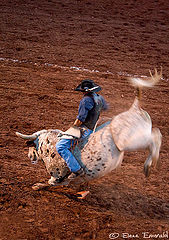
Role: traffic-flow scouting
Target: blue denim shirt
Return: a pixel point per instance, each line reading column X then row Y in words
column 86, row 104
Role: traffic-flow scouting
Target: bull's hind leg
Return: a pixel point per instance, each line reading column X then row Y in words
column 147, row 165
column 157, row 137
column 154, row 148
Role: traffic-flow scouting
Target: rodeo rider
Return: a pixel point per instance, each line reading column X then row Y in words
column 88, row 114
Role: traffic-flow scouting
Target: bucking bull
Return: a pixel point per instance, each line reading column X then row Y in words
column 103, row 151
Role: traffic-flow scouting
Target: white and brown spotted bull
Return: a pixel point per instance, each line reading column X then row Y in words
column 103, row 152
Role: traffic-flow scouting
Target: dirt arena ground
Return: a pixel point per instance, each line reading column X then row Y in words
column 46, row 48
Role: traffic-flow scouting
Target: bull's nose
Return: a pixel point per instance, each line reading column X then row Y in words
column 30, row 156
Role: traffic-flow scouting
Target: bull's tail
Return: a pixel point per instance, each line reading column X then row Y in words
column 140, row 83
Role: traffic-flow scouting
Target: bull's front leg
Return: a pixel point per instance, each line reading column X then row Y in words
column 51, row 182
column 57, row 182
column 39, row 186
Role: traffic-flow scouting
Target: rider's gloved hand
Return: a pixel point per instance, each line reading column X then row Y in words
column 77, row 123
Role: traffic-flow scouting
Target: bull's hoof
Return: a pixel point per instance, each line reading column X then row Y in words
column 39, row 186
column 82, row 195
column 147, row 170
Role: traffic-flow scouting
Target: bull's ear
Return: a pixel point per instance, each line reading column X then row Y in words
column 30, row 144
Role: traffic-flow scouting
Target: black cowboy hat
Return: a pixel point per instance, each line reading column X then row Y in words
column 88, row 85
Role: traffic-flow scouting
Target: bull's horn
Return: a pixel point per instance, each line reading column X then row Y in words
column 27, row 137
column 32, row 136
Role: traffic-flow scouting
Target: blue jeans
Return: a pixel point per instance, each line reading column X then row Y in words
column 63, row 148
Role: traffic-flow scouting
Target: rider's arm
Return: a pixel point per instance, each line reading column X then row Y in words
column 86, row 104
column 105, row 105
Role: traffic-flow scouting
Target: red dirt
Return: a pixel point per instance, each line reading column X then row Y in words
column 121, row 37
